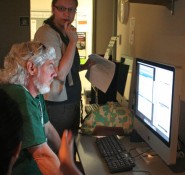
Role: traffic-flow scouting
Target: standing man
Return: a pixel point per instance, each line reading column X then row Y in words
column 28, row 73
column 63, row 101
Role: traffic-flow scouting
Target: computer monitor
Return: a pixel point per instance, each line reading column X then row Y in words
column 157, row 105
column 121, row 83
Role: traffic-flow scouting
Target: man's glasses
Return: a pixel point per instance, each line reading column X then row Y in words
column 63, row 9
column 31, row 53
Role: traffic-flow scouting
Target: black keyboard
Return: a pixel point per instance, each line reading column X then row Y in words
column 114, row 153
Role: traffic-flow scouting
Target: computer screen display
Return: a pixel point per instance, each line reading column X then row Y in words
column 154, row 99
column 157, row 106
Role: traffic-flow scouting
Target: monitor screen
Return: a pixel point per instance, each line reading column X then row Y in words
column 157, row 101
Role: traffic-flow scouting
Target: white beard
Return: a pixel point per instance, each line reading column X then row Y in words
column 42, row 88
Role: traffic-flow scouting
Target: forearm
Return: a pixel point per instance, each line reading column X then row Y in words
column 66, row 61
column 52, row 135
column 49, row 164
column 52, row 166
column 47, row 161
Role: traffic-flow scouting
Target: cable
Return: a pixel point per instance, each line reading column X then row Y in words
column 142, row 171
column 142, row 153
column 181, row 144
column 131, row 149
column 180, row 149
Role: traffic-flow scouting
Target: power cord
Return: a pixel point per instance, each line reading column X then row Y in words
column 139, row 153
column 142, row 171
column 180, row 149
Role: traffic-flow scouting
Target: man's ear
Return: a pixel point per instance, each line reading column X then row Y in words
column 31, row 68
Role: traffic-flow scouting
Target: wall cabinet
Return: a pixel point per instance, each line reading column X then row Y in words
column 168, row 3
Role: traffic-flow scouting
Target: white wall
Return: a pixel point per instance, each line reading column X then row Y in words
column 41, row 5
column 158, row 34
column 104, row 24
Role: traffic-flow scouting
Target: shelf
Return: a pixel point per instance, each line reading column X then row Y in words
column 168, row 3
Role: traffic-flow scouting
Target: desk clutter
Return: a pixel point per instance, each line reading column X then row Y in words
column 91, row 108
column 108, row 119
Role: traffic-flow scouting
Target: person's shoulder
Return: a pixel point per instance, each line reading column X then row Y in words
column 14, row 91
column 45, row 28
column 46, row 34
column 11, row 87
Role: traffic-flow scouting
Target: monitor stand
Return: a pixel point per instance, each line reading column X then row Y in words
column 146, row 153
column 179, row 167
column 135, row 137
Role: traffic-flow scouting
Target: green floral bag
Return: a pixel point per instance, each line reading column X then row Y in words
column 110, row 116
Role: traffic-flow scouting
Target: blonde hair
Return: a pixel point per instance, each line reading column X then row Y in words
column 55, row 1
column 15, row 71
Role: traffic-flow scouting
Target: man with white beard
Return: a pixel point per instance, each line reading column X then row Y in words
column 29, row 70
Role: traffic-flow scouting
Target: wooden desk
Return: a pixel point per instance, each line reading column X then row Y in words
column 93, row 163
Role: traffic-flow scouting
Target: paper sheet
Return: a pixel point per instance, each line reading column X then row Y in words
column 101, row 74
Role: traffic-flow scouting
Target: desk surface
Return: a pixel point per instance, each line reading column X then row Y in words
column 93, row 163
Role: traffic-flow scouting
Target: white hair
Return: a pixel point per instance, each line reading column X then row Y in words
column 15, row 71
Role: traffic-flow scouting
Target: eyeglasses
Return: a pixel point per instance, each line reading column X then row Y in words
column 63, row 9
column 42, row 46
column 32, row 53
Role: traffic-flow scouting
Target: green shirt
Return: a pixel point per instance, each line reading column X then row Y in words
column 34, row 117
